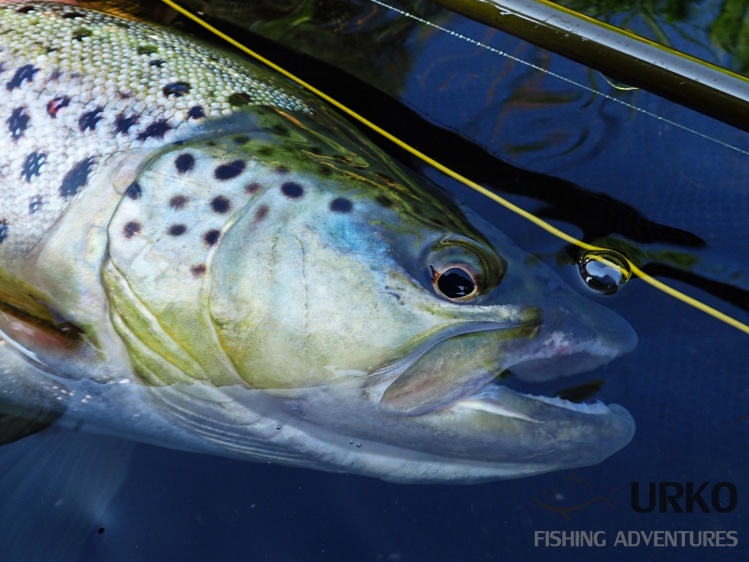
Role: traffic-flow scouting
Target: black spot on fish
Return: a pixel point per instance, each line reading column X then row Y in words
column 155, row 130
column 198, row 270
column 131, row 229
column 4, row 231
column 176, row 89
column 196, row 112
column 240, row 139
column 211, row 237
column 32, row 165
column 123, row 123
column 220, row 204
column 239, row 99
column 23, row 74
column 184, row 163
column 71, row 15
column 230, row 170
column 146, row 49
column 89, row 119
column 178, row 201
column 18, row 122
column 384, row 201
column 261, row 213
column 25, row 10
column 341, row 205
column 252, row 187
column 76, row 178
column 282, row 170
column 81, row 33
column 36, row 204
column 280, row 130
column 177, row 230
column 134, row 191
column 55, row 105
column 158, row 63
column 292, row 190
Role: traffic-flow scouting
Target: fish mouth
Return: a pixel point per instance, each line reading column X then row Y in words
column 526, row 371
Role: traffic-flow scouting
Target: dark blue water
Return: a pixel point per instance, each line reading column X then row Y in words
column 660, row 177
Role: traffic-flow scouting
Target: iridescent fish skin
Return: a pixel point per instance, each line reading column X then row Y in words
column 196, row 253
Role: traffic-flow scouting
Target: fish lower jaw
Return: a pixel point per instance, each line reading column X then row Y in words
column 503, row 401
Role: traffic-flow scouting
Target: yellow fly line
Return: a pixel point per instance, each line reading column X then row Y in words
column 462, row 179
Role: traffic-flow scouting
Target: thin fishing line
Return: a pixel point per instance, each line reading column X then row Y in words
column 462, row 179
column 555, row 75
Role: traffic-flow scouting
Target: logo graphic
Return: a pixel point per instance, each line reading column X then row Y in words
column 574, row 494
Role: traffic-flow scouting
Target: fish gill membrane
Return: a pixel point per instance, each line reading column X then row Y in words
column 262, row 282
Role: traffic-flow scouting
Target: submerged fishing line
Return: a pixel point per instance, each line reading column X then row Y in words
column 470, row 183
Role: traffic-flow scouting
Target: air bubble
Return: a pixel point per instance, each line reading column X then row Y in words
column 603, row 271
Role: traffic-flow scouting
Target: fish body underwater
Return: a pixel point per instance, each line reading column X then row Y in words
column 197, row 254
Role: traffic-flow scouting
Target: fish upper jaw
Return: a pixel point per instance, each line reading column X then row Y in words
column 470, row 362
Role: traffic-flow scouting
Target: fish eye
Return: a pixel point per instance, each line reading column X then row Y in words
column 456, row 282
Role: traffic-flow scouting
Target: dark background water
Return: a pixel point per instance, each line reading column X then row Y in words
column 627, row 164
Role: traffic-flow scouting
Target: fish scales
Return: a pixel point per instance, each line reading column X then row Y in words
column 198, row 254
column 77, row 86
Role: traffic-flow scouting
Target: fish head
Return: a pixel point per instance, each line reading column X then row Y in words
column 360, row 315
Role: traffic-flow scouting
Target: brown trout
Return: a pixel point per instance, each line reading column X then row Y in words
column 198, row 254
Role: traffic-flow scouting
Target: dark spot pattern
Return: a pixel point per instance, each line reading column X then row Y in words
column 131, row 229
column 211, row 237
column 23, row 74
column 134, row 191
column 81, row 33
column 18, row 122
column 177, row 230
column 158, row 63
column 198, row 270
column 55, row 105
column 220, row 204
column 261, row 213
column 89, row 119
column 196, row 112
column 341, row 205
column 239, row 99
column 76, row 178
column 33, row 165
column 72, row 15
column 123, row 123
column 24, row 10
column 176, row 89
column 4, row 231
column 251, row 188
column 178, row 202
column 184, row 163
column 35, row 204
column 155, row 130
column 241, row 139
column 230, row 170
column 292, row 190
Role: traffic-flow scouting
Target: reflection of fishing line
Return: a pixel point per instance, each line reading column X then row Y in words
column 557, row 76
column 473, row 185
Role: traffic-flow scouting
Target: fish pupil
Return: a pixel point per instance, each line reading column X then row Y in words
column 456, row 283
